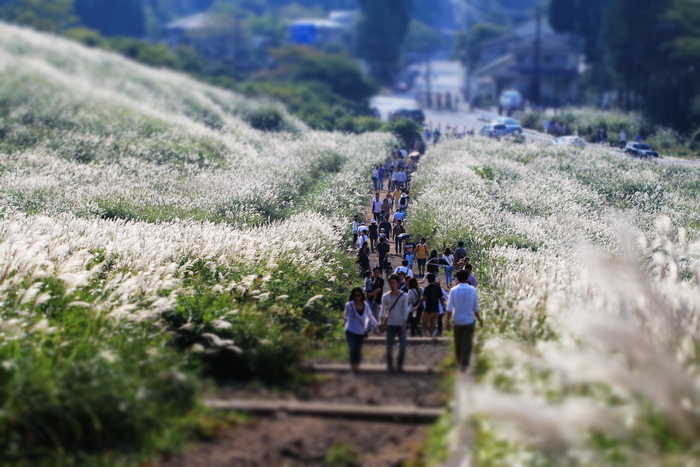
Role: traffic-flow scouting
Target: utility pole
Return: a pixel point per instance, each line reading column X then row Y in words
column 537, row 79
column 429, row 81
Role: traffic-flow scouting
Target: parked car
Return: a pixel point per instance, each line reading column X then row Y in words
column 569, row 141
column 496, row 130
column 416, row 115
column 640, row 150
column 512, row 124
column 511, row 100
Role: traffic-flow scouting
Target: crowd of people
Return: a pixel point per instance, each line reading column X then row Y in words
column 599, row 136
column 417, row 300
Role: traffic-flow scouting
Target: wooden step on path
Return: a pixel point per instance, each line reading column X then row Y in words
column 367, row 368
column 411, row 340
column 322, row 409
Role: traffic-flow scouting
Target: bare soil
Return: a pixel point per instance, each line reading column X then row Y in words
column 305, row 441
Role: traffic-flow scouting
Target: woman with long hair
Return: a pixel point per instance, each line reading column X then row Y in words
column 415, row 294
column 449, row 259
column 358, row 317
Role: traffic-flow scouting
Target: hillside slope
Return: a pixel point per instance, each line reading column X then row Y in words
column 151, row 238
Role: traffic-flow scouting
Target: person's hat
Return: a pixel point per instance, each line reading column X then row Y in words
column 362, row 223
column 373, row 221
column 404, row 195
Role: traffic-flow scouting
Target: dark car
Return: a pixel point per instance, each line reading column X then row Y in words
column 416, row 115
column 640, row 150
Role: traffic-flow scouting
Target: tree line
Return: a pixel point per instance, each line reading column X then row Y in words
column 646, row 50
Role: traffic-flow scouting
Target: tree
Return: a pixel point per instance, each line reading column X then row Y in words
column 422, row 38
column 467, row 44
column 112, row 18
column 655, row 65
column 584, row 18
column 342, row 75
column 381, row 34
column 45, row 15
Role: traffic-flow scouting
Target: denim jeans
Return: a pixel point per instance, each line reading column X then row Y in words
column 448, row 275
column 391, row 333
column 355, row 342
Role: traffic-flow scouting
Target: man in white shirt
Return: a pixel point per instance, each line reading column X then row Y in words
column 355, row 229
column 377, row 207
column 404, row 269
column 394, row 316
column 623, row 139
column 464, row 305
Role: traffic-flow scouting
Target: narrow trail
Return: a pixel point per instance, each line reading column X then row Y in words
column 355, row 419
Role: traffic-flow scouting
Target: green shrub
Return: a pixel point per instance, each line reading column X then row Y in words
column 532, row 120
column 358, row 124
column 264, row 117
column 406, row 131
column 91, row 388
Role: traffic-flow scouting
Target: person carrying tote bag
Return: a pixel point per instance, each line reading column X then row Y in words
column 358, row 316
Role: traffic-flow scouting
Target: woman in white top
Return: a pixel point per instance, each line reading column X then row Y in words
column 415, row 293
column 449, row 259
column 357, row 318
column 394, row 316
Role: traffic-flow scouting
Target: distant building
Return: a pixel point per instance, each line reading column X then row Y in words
column 335, row 32
column 510, row 63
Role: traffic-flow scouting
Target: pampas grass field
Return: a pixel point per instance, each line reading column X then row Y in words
column 153, row 240
column 150, row 236
column 589, row 266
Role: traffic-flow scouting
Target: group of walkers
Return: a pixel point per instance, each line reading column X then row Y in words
column 415, row 302
column 599, row 136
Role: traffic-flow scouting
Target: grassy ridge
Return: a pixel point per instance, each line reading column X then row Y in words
column 588, row 265
column 151, row 235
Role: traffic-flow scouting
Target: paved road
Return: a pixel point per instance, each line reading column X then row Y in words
column 444, row 120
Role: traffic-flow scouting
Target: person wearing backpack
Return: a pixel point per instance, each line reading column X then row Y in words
column 415, row 294
column 357, row 319
column 460, row 253
column 432, row 298
column 394, row 316
column 421, row 256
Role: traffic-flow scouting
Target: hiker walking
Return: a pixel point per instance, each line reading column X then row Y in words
column 395, row 235
column 471, row 280
column 464, row 305
column 383, row 248
column 395, row 317
column 355, row 229
column 374, row 297
column 449, row 262
column 421, row 255
column 357, row 318
column 432, row 297
column 373, row 234
column 376, row 207
column 415, row 294
column 459, row 254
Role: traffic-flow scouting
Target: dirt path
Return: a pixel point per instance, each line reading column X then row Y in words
column 313, row 441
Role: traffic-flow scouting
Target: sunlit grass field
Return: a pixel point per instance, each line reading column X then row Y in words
column 151, row 239
column 588, row 262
